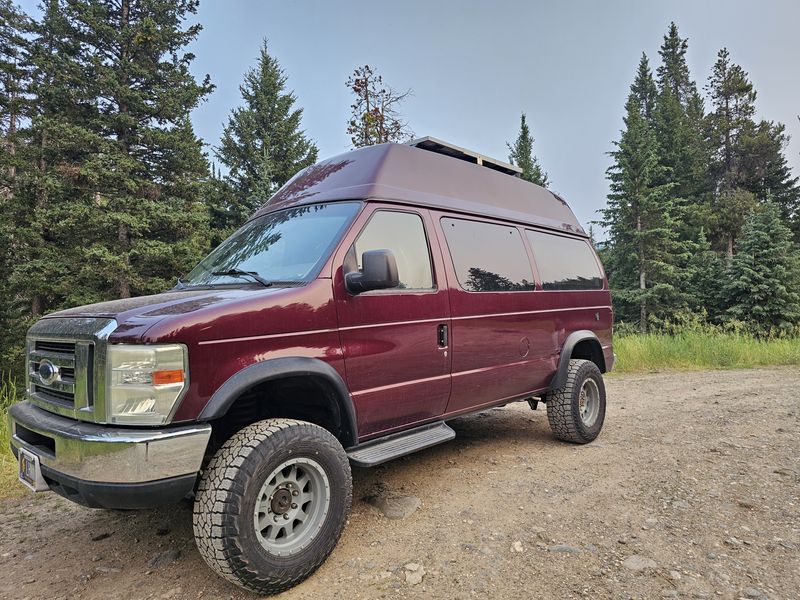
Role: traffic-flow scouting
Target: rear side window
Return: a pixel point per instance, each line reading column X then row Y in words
column 565, row 263
column 404, row 234
column 488, row 257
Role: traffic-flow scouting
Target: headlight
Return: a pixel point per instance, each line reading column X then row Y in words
column 145, row 382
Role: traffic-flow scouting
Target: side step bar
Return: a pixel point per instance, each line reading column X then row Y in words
column 399, row 444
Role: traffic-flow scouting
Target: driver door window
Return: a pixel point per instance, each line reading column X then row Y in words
column 404, row 235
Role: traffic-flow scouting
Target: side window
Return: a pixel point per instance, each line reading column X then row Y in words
column 565, row 263
column 404, row 234
column 488, row 257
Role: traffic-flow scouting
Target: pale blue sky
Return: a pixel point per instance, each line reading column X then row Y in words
column 474, row 65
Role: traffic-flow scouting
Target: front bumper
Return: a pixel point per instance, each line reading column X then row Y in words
column 110, row 467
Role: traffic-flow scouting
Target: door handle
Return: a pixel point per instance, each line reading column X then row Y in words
column 441, row 335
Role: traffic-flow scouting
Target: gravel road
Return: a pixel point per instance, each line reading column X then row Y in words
column 691, row 491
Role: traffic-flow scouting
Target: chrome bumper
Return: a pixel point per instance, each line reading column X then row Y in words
column 95, row 453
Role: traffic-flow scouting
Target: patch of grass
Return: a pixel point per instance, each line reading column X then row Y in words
column 698, row 350
column 9, row 486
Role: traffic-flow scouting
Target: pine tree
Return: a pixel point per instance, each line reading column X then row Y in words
column 763, row 285
column 262, row 144
column 678, row 116
column 642, row 252
column 521, row 155
column 733, row 100
column 703, row 280
column 747, row 155
column 113, row 207
column 766, row 173
column 14, row 84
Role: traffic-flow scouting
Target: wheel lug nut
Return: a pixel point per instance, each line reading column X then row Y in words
column 294, row 505
column 286, row 517
column 295, row 493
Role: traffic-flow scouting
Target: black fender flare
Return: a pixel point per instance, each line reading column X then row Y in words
column 278, row 368
column 573, row 339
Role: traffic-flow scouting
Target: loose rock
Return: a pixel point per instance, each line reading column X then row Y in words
column 636, row 562
column 165, row 558
column 414, row 573
column 564, row 548
column 396, row 507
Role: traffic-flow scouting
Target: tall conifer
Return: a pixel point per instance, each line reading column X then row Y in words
column 262, row 145
column 639, row 217
column 521, row 155
column 113, row 207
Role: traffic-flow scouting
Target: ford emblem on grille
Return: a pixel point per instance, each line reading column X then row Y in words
column 48, row 372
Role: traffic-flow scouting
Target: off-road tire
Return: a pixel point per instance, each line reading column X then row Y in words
column 224, row 528
column 564, row 405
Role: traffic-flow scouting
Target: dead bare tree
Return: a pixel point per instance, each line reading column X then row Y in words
column 375, row 117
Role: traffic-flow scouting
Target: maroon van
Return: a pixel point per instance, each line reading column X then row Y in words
column 375, row 296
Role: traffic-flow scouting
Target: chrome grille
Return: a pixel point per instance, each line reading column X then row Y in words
column 66, row 366
column 58, row 357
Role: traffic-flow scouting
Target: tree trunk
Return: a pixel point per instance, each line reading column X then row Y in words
column 642, row 279
column 123, row 284
column 123, row 233
column 36, row 306
column 729, row 251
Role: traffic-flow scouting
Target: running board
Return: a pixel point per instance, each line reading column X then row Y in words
column 399, row 444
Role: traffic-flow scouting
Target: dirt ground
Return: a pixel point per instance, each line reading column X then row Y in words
column 691, row 491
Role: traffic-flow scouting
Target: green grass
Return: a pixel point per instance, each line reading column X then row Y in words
column 9, row 486
column 698, row 350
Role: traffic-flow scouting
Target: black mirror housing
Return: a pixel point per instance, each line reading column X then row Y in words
column 378, row 272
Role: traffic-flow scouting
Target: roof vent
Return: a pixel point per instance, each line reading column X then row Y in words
column 440, row 147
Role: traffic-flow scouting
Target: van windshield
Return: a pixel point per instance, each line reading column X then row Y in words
column 286, row 246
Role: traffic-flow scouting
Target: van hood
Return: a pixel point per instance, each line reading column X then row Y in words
column 159, row 305
column 136, row 316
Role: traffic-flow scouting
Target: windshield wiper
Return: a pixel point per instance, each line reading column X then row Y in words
column 241, row 273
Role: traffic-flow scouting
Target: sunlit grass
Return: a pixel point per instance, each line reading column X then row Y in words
column 693, row 351
column 9, row 486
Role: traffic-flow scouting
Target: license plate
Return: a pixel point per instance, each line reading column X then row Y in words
column 30, row 472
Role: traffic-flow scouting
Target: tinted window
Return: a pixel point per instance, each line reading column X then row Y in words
column 286, row 245
column 404, row 235
column 565, row 263
column 488, row 257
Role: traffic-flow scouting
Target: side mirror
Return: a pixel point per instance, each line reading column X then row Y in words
column 378, row 272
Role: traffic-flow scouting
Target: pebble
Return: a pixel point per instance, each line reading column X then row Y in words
column 107, row 569
column 396, row 507
column 517, row 546
column 414, row 573
column 564, row 548
column 100, row 536
column 669, row 594
column 675, row 575
column 636, row 562
column 165, row 558
column 753, row 593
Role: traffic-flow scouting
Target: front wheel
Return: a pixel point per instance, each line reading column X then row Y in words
column 272, row 504
column 576, row 412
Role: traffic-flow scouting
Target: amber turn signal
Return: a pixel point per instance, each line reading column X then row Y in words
column 164, row 377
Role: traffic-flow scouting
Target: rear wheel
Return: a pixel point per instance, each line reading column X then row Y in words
column 576, row 412
column 272, row 504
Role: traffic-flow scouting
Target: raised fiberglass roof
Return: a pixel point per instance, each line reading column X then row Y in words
column 422, row 177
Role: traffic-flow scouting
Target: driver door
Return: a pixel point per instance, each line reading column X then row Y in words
column 396, row 356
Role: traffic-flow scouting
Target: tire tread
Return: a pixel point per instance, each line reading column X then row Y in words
column 219, row 497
